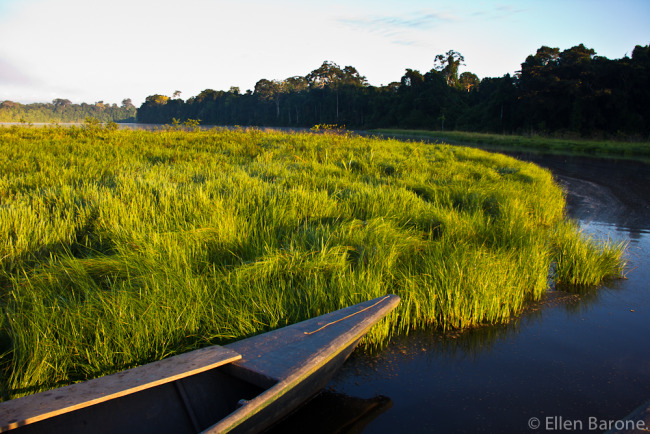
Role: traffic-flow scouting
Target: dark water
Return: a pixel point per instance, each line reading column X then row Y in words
column 570, row 361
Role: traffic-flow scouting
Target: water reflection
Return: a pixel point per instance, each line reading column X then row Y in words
column 469, row 344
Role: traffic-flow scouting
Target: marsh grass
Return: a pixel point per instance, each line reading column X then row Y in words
column 633, row 150
column 582, row 261
column 122, row 247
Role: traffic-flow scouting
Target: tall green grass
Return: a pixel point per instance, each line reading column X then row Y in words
column 122, row 247
column 630, row 150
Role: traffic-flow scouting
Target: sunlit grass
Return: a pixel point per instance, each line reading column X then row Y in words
column 636, row 150
column 582, row 261
column 123, row 247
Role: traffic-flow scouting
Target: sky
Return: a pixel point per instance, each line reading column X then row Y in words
column 98, row 50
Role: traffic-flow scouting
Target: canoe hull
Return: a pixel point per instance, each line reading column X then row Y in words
column 265, row 378
column 159, row 409
column 301, row 358
column 294, row 397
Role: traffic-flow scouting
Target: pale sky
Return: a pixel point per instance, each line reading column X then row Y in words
column 92, row 50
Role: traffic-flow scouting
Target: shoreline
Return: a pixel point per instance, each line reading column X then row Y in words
column 601, row 149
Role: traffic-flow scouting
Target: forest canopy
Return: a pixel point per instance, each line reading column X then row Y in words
column 63, row 110
column 571, row 92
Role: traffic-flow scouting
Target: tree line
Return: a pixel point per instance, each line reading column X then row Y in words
column 571, row 92
column 63, row 110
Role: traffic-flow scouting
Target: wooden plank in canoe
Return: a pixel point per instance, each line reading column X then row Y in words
column 32, row 408
column 278, row 354
column 300, row 359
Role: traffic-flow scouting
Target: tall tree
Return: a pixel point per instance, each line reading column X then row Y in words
column 157, row 99
column 351, row 77
column 412, row 78
column 270, row 90
column 448, row 64
column 326, row 75
column 639, row 84
column 296, row 88
column 61, row 102
column 537, row 84
column 330, row 76
column 468, row 81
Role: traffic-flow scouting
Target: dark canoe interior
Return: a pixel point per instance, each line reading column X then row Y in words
column 188, row 405
column 332, row 412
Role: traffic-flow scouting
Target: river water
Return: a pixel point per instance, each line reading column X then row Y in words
column 568, row 363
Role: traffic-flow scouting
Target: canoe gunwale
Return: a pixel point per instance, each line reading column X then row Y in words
column 45, row 405
column 320, row 359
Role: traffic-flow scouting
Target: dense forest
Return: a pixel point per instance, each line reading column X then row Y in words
column 63, row 110
column 571, row 92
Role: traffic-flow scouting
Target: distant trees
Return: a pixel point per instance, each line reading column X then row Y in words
column 574, row 90
column 571, row 91
column 63, row 110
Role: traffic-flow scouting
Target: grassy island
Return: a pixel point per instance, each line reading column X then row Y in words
column 121, row 247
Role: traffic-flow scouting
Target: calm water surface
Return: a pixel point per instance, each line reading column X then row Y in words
column 568, row 358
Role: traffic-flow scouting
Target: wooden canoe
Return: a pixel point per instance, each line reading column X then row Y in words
column 245, row 386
